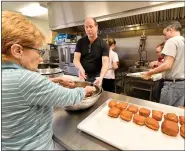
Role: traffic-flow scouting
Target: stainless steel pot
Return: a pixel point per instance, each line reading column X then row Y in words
column 50, row 70
column 87, row 101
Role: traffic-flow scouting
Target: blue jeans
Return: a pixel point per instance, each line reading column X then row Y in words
column 172, row 93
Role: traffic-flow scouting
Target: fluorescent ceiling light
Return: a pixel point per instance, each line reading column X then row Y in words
column 33, row 10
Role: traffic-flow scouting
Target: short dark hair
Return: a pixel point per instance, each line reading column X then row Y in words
column 111, row 41
column 174, row 25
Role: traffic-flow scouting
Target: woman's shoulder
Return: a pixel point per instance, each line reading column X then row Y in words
column 113, row 52
column 20, row 76
column 28, row 76
column 31, row 74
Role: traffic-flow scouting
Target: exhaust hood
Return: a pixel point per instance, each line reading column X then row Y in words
column 69, row 16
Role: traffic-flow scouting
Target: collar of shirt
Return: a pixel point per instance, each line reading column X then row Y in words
column 11, row 65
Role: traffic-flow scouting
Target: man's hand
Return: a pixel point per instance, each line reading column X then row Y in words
column 77, row 63
column 182, row 107
column 81, row 74
column 98, row 81
column 146, row 76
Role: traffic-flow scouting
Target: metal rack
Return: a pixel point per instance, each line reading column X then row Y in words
column 119, row 82
column 134, row 83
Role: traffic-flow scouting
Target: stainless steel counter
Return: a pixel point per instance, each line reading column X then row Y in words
column 65, row 123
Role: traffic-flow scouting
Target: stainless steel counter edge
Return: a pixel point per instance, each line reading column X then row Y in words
column 65, row 123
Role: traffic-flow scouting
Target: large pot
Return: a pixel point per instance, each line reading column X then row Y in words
column 49, row 70
column 87, row 101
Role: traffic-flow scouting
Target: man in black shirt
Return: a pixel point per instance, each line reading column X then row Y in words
column 91, row 54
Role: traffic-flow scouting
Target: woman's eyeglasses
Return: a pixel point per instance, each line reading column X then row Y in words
column 41, row 51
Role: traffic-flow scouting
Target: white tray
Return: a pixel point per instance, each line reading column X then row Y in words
column 154, row 77
column 127, row 135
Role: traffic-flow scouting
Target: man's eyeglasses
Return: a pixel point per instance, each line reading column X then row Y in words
column 41, row 51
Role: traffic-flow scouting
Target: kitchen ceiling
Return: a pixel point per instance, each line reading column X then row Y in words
column 17, row 6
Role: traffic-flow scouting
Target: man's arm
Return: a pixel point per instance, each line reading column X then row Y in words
column 78, row 65
column 166, row 65
column 105, row 66
column 76, row 61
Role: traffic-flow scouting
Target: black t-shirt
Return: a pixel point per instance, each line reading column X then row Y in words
column 91, row 54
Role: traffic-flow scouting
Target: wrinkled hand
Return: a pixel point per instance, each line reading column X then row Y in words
column 98, row 81
column 145, row 76
column 66, row 81
column 81, row 74
column 89, row 89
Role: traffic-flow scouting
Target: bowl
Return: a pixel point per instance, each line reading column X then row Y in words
column 87, row 101
column 49, row 70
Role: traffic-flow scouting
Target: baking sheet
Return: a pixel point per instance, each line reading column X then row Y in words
column 127, row 135
column 154, row 77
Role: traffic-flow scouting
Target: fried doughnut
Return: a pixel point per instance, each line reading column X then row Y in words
column 112, row 103
column 170, row 128
column 172, row 117
column 182, row 132
column 152, row 123
column 144, row 112
column 126, row 115
column 182, row 120
column 114, row 112
column 132, row 108
column 122, row 105
column 138, row 119
column 157, row 115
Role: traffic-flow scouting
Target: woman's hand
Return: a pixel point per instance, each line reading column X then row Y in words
column 153, row 64
column 89, row 90
column 67, row 82
column 64, row 80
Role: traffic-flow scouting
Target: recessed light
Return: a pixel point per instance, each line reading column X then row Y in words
column 33, row 10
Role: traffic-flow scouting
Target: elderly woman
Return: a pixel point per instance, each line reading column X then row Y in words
column 28, row 97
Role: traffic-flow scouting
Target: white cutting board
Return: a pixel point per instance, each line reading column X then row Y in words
column 127, row 135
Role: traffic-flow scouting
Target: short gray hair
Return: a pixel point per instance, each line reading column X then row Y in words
column 174, row 25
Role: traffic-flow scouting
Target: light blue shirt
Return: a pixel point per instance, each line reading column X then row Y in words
column 27, row 101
